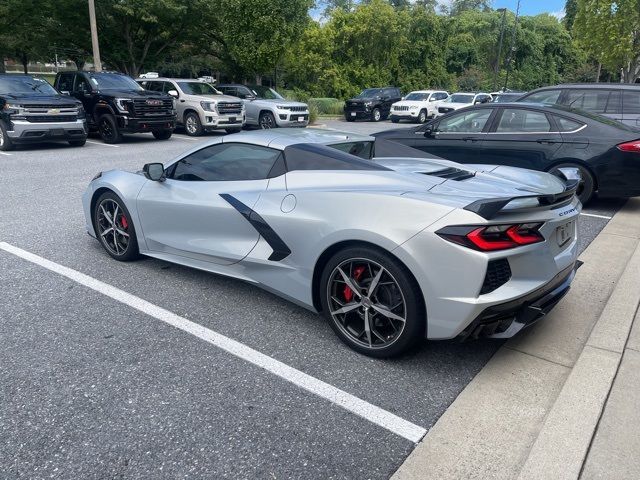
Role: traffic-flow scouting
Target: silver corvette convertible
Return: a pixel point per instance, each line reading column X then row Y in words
column 391, row 249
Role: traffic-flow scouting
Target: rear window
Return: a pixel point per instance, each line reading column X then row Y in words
column 359, row 149
column 566, row 125
column 631, row 102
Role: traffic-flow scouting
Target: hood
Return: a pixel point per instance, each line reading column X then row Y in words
column 362, row 99
column 134, row 94
column 61, row 100
column 212, row 98
column 455, row 105
column 277, row 101
column 416, row 103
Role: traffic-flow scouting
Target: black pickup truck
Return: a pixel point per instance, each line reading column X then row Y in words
column 116, row 104
column 31, row 111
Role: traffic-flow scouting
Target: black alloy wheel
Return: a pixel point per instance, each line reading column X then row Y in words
column 114, row 227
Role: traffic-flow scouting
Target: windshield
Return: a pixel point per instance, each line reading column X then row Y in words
column 198, row 88
column 266, row 93
column 417, row 96
column 21, row 85
column 460, row 98
column 370, row 93
column 113, row 81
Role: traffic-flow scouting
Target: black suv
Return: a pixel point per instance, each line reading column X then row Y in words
column 116, row 104
column 32, row 111
column 372, row 104
column 619, row 101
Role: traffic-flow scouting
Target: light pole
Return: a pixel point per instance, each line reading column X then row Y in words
column 497, row 69
column 94, row 37
column 512, row 48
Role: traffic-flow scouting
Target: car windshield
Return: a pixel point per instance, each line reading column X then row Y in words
column 21, row 85
column 266, row 93
column 198, row 88
column 417, row 96
column 370, row 93
column 460, row 98
column 113, row 81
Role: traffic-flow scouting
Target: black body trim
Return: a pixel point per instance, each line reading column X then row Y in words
column 280, row 249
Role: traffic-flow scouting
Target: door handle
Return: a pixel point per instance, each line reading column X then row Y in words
column 182, row 101
column 471, row 139
column 544, row 140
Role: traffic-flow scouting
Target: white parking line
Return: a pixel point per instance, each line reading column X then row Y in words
column 595, row 216
column 184, row 137
column 353, row 404
column 4, row 153
column 103, row 144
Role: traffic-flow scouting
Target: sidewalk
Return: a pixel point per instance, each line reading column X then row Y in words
column 561, row 400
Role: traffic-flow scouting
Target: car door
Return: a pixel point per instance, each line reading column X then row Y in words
column 631, row 107
column 197, row 212
column 522, row 137
column 457, row 137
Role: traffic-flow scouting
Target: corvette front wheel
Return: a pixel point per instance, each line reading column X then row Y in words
column 114, row 227
column 372, row 302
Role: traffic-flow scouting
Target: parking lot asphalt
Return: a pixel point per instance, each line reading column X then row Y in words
column 93, row 388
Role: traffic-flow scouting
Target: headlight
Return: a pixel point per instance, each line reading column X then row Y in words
column 14, row 109
column 414, row 108
column 282, row 107
column 123, row 104
column 208, row 106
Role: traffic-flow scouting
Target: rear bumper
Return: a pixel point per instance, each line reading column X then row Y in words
column 141, row 125
column 27, row 132
column 507, row 319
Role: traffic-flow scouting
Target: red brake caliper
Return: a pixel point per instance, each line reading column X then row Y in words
column 123, row 222
column 357, row 273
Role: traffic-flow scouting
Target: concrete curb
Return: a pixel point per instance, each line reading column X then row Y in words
column 533, row 409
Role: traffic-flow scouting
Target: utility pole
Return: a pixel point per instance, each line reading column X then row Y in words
column 512, row 48
column 497, row 69
column 94, row 37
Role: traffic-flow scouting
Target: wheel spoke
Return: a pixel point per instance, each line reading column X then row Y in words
column 346, row 308
column 122, row 232
column 107, row 215
column 387, row 313
column 374, row 282
column 350, row 283
column 107, row 231
column 367, row 326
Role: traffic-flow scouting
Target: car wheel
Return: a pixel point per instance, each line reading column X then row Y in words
column 350, row 118
column 376, row 115
column 233, row 130
column 587, row 184
column 162, row 134
column 422, row 117
column 108, row 129
column 78, row 143
column 267, row 121
column 372, row 302
column 5, row 142
column 193, row 125
column 114, row 227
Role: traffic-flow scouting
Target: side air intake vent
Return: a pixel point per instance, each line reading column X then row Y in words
column 452, row 174
column 498, row 273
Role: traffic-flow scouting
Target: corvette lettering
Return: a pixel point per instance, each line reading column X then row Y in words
column 567, row 212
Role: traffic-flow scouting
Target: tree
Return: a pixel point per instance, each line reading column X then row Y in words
column 610, row 31
column 459, row 6
column 570, row 10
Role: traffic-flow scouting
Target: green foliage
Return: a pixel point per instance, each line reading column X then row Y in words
column 327, row 106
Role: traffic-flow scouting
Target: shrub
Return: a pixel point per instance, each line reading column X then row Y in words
column 327, row 106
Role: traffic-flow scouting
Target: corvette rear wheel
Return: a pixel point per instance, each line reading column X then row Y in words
column 114, row 227
column 372, row 302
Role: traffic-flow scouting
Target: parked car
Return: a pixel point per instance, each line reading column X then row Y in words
column 373, row 244
column 461, row 100
column 116, row 104
column 200, row 107
column 538, row 137
column 418, row 106
column 372, row 104
column 618, row 101
column 505, row 97
column 32, row 111
column 266, row 108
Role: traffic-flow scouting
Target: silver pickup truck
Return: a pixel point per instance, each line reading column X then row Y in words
column 200, row 107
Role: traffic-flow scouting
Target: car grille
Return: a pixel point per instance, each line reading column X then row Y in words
column 51, row 118
column 35, row 106
column 401, row 108
column 498, row 273
column 297, row 109
column 229, row 108
column 445, row 109
column 453, row 174
column 142, row 108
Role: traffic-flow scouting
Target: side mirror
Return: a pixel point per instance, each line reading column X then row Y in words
column 173, row 93
column 249, row 97
column 154, row 171
column 477, row 102
column 402, row 98
column 428, row 131
column 65, row 92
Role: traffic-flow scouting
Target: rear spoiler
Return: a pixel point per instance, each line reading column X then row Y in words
column 489, row 208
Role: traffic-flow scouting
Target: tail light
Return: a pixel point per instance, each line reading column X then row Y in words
column 630, row 146
column 490, row 238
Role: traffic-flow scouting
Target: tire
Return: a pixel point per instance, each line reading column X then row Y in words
column 422, row 116
column 267, row 121
column 77, row 143
column 5, row 142
column 398, row 295
column 395, row 120
column 586, row 189
column 108, row 129
column 112, row 241
column 376, row 115
column 349, row 119
column 193, row 125
column 162, row 134
column 233, row 130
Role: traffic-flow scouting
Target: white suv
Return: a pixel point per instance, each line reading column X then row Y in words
column 200, row 107
column 461, row 100
column 418, row 106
